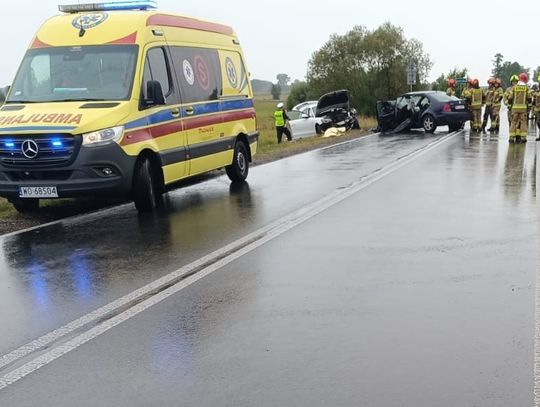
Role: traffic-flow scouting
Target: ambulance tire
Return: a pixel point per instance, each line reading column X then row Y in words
column 26, row 205
column 238, row 170
column 146, row 194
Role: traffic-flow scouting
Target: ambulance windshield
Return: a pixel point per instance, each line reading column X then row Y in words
column 58, row 74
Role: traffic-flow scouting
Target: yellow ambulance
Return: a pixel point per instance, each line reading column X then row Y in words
column 119, row 98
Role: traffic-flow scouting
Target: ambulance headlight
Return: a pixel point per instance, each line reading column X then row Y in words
column 101, row 137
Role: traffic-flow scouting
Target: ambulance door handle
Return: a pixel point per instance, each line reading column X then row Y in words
column 189, row 110
column 175, row 112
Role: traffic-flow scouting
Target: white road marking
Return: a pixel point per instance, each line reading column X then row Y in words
column 192, row 273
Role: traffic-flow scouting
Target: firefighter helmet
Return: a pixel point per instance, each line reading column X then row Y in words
column 451, row 82
column 514, row 78
column 523, row 77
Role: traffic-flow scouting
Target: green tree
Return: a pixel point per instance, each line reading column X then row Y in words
column 536, row 74
column 298, row 93
column 371, row 64
column 497, row 65
column 276, row 91
column 511, row 68
column 441, row 83
column 283, row 80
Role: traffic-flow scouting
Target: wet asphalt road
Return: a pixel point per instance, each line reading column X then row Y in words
column 417, row 290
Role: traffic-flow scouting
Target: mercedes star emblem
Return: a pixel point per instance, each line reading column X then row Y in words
column 30, row 149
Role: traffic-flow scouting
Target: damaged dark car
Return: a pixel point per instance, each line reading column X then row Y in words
column 335, row 110
column 422, row 110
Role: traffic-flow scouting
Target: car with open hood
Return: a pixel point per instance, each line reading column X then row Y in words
column 422, row 110
column 335, row 110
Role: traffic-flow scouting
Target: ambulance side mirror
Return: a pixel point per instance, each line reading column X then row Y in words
column 3, row 93
column 154, row 94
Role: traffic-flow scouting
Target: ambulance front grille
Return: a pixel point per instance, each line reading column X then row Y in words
column 52, row 150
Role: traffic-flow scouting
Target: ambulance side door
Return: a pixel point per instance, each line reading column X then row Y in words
column 164, row 122
column 200, row 87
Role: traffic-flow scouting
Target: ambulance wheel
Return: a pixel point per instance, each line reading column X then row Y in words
column 428, row 123
column 26, row 205
column 238, row 170
column 146, row 194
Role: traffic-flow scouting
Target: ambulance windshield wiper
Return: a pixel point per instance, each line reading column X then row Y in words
column 77, row 100
column 20, row 101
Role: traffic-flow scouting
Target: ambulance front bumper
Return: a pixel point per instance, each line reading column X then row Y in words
column 103, row 171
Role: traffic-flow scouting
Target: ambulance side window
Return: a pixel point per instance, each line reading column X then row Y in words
column 156, row 68
column 198, row 72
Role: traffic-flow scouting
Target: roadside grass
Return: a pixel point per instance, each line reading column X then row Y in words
column 268, row 150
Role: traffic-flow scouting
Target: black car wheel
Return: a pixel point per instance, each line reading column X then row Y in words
column 428, row 123
column 26, row 205
column 146, row 194
column 238, row 170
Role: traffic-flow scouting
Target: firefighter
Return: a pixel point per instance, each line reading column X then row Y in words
column 507, row 93
column 477, row 101
column 488, row 111
column 451, row 91
column 466, row 94
column 519, row 97
column 498, row 95
column 536, row 107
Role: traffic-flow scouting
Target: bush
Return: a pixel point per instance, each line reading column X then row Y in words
column 298, row 94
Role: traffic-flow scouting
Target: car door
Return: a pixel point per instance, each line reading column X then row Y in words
column 296, row 123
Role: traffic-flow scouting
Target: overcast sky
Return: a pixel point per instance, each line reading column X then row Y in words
column 280, row 35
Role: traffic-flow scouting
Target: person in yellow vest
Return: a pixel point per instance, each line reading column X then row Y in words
column 536, row 107
column 451, row 91
column 466, row 94
column 488, row 111
column 507, row 93
column 498, row 95
column 477, row 101
column 519, row 98
column 281, row 119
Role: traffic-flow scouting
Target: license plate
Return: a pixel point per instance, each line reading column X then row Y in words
column 38, row 192
column 459, row 107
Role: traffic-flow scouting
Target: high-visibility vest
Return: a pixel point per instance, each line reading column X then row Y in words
column 520, row 98
column 490, row 95
column 280, row 120
column 476, row 98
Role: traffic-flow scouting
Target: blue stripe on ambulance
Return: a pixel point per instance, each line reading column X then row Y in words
column 199, row 109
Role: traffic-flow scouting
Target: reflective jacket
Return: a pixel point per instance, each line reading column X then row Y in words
column 477, row 98
column 279, row 118
column 520, row 98
column 490, row 93
column 498, row 94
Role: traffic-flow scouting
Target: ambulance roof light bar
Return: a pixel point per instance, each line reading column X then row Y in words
column 109, row 6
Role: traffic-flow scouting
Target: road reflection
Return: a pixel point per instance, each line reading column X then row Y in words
column 65, row 261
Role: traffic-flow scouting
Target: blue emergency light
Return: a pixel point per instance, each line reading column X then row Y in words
column 109, row 6
column 57, row 143
column 9, row 144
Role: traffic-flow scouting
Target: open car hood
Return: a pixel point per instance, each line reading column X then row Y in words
column 338, row 99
